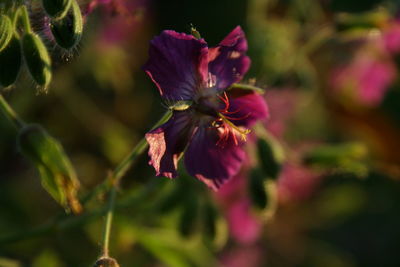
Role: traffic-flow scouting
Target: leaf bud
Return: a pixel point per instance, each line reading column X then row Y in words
column 11, row 58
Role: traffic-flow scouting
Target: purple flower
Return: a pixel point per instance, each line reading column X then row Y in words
column 209, row 122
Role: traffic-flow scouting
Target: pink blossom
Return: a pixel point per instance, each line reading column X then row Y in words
column 245, row 226
column 366, row 78
column 391, row 37
column 246, row 256
column 296, row 183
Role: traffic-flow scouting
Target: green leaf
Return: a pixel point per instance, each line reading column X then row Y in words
column 270, row 157
column 257, row 190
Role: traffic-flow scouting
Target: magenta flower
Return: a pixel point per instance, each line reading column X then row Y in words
column 244, row 225
column 366, row 79
column 208, row 121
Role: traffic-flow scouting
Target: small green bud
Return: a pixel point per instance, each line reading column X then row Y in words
column 56, row 9
column 257, row 189
column 37, row 59
column 194, row 32
column 269, row 158
column 10, row 62
column 57, row 174
column 67, row 32
column 106, row 262
column 6, row 31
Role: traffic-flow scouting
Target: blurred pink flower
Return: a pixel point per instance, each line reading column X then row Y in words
column 366, row 78
column 296, row 183
column 121, row 18
column 245, row 227
column 247, row 256
column 391, row 37
column 282, row 105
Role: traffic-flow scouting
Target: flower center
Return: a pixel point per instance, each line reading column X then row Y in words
column 224, row 121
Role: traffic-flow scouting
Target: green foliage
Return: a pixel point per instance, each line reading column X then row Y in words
column 37, row 59
column 257, row 189
column 188, row 220
column 269, row 157
column 346, row 157
column 56, row 171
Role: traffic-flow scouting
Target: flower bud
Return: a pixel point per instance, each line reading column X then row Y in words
column 195, row 32
column 57, row 174
column 67, row 32
column 6, row 31
column 37, row 59
column 106, row 262
column 10, row 57
column 56, row 9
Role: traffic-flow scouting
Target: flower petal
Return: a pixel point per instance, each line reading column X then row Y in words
column 167, row 143
column 177, row 64
column 211, row 163
column 246, row 107
column 228, row 61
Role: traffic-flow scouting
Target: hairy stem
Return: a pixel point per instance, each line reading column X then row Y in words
column 10, row 114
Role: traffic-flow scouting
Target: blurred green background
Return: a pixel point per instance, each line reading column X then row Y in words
column 339, row 207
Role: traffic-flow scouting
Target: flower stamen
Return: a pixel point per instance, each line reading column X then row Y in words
column 243, row 132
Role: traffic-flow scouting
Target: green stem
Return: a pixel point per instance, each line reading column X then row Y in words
column 64, row 221
column 109, row 218
column 10, row 114
column 247, row 87
column 115, row 178
column 125, row 164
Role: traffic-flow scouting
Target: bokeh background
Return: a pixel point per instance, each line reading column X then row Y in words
column 330, row 73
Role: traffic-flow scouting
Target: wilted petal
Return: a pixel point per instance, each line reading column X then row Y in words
column 246, row 107
column 167, row 143
column 211, row 163
column 177, row 64
column 228, row 61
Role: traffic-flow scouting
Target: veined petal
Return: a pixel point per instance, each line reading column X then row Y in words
column 246, row 107
column 228, row 61
column 177, row 64
column 211, row 163
column 167, row 143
